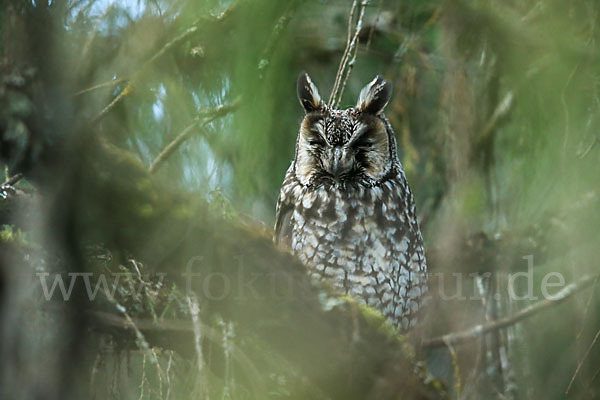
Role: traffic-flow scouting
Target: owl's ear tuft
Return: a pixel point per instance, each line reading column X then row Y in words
column 374, row 97
column 308, row 94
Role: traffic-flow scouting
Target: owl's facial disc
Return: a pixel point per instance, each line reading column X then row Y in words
column 372, row 148
column 350, row 145
column 342, row 146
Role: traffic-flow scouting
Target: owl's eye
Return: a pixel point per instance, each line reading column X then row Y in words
column 365, row 142
column 316, row 141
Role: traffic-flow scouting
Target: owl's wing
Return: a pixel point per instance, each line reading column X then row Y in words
column 283, row 223
column 285, row 208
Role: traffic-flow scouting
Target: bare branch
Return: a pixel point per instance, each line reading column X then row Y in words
column 195, row 311
column 500, row 112
column 354, row 50
column 205, row 117
column 127, row 90
column 585, row 356
column 351, row 43
column 278, row 29
column 132, row 80
column 350, row 64
column 92, row 37
column 476, row 331
column 102, row 85
column 338, row 75
column 12, row 180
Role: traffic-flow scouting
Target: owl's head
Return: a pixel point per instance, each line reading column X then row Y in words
column 352, row 146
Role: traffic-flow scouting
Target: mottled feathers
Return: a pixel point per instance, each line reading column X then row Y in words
column 345, row 208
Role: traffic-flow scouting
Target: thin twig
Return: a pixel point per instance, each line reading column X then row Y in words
column 586, row 310
column 184, row 35
column 168, row 327
column 127, row 90
column 276, row 34
column 587, row 353
column 168, row 46
column 85, row 9
column 168, row 372
column 455, row 368
column 346, row 77
column 12, row 180
column 83, row 54
column 584, row 153
column 205, row 117
column 95, row 370
column 477, row 330
column 143, row 379
column 194, row 307
column 593, row 378
column 112, row 82
column 140, row 339
column 354, row 48
column 339, row 73
column 500, row 112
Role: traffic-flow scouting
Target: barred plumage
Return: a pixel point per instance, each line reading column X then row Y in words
column 345, row 207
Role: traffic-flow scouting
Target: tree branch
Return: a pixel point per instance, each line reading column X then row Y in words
column 476, row 331
column 164, row 49
column 278, row 29
column 499, row 113
column 351, row 47
column 205, row 117
column 102, row 85
column 338, row 75
column 354, row 46
column 12, row 180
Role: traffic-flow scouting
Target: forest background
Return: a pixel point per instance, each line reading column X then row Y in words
column 148, row 139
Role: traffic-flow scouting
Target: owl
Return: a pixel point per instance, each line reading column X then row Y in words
column 345, row 208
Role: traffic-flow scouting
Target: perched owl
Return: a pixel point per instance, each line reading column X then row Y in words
column 345, row 208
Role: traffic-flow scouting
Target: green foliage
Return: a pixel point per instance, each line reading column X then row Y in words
column 496, row 112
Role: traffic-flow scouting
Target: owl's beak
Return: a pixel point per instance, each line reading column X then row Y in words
column 337, row 165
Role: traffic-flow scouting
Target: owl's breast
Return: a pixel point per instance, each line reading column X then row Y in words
column 363, row 240
column 350, row 230
column 329, row 228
